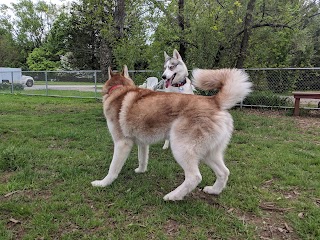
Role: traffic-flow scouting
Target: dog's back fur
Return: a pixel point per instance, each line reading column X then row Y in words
column 198, row 127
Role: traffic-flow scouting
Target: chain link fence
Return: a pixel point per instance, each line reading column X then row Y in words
column 274, row 87
column 271, row 87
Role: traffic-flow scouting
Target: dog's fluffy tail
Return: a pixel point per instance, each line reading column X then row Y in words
column 233, row 84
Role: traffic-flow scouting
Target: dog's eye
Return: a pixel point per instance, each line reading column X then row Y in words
column 172, row 67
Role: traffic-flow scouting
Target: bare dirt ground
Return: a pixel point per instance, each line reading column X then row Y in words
column 311, row 119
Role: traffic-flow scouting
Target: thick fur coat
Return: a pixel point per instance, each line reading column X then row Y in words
column 198, row 127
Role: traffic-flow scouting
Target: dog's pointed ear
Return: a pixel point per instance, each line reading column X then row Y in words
column 176, row 54
column 166, row 56
column 110, row 73
column 125, row 71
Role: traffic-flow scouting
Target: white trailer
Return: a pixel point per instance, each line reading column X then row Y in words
column 14, row 75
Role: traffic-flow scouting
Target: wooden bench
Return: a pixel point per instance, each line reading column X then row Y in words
column 298, row 95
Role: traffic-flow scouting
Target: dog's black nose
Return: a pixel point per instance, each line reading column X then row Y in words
column 164, row 77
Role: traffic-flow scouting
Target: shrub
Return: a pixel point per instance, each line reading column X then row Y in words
column 18, row 87
column 7, row 86
column 267, row 99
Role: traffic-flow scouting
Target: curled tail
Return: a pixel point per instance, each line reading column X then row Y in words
column 233, row 84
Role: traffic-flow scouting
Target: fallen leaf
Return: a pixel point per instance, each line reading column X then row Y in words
column 295, row 192
column 269, row 181
column 15, row 221
column 289, row 229
column 11, row 193
column 301, row 215
column 269, row 206
column 137, row 225
column 230, row 210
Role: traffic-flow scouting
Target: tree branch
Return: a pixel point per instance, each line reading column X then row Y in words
column 266, row 25
column 220, row 4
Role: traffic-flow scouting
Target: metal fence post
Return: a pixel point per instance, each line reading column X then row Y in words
column 46, row 79
column 12, row 88
column 95, row 83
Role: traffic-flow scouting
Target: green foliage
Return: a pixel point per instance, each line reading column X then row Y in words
column 9, row 51
column 282, row 34
column 28, row 29
column 267, row 98
column 91, row 24
column 40, row 60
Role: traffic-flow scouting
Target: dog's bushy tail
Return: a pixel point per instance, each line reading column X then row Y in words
column 233, row 84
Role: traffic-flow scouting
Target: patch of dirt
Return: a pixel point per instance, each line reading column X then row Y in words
column 171, row 227
column 312, row 120
column 270, row 226
column 29, row 194
column 212, row 200
column 290, row 194
column 16, row 227
column 5, row 176
column 306, row 123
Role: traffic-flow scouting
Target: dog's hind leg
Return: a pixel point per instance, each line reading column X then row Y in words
column 166, row 144
column 143, row 155
column 189, row 162
column 215, row 161
column 121, row 152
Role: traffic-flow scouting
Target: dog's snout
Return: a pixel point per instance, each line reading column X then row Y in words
column 164, row 77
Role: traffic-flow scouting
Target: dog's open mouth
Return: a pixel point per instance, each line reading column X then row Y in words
column 170, row 80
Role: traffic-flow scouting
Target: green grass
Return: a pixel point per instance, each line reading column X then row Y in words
column 57, row 93
column 66, row 83
column 52, row 148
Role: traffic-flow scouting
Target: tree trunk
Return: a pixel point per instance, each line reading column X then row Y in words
column 106, row 46
column 246, row 34
column 181, row 23
column 105, row 58
column 119, row 17
column 217, row 57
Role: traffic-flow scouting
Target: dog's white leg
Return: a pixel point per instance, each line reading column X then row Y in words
column 189, row 162
column 143, row 155
column 121, row 152
column 192, row 179
column 166, row 144
column 216, row 163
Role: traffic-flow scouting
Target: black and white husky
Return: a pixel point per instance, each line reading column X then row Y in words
column 176, row 78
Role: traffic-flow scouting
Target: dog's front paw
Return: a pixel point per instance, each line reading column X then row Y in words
column 98, row 183
column 212, row 190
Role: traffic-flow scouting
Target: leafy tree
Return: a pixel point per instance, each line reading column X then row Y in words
column 30, row 26
column 104, row 33
column 9, row 54
column 209, row 34
column 41, row 59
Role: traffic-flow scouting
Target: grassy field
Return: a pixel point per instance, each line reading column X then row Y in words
column 65, row 83
column 57, row 93
column 52, row 148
